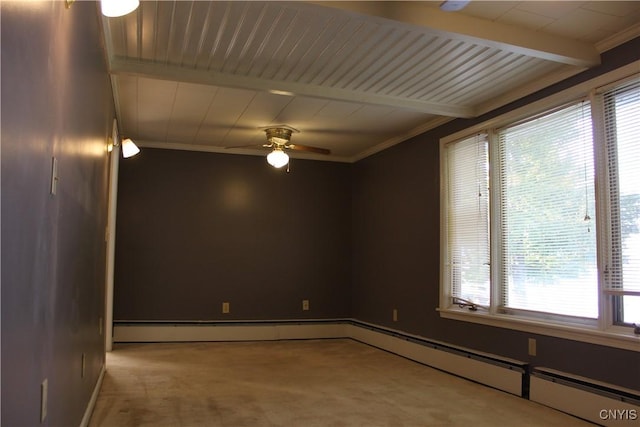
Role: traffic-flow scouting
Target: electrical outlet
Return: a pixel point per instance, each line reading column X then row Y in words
column 305, row 305
column 225, row 308
column 43, row 399
column 395, row 314
column 532, row 347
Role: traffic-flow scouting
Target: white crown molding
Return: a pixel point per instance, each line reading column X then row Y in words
column 431, row 124
column 619, row 38
column 243, row 151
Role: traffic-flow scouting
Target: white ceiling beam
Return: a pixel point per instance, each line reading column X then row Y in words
column 514, row 39
column 123, row 66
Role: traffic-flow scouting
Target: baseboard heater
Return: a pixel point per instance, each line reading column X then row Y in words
column 600, row 403
column 193, row 331
column 501, row 373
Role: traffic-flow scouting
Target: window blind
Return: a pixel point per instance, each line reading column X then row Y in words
column 622, row 139
column 547, row 216
column 468, row 218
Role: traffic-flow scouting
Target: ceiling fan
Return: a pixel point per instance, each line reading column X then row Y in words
column 279, row 140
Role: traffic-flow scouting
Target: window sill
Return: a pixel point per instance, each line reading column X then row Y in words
column 618, row 337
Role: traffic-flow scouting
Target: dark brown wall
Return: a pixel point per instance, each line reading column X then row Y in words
column 197, row 229
column 396, row 253
column 56, row 101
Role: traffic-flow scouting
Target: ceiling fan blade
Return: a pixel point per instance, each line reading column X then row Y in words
column 308, row 148
column 250, row 146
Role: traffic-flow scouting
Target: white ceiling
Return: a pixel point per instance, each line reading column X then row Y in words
column 353, row 77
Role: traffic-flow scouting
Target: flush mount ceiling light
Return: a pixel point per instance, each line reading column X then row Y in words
column 115, row 8
column 129, row 148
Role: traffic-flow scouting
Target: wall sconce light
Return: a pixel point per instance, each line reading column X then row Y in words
column 129, row 148
column 277, row 158
column 114, row 8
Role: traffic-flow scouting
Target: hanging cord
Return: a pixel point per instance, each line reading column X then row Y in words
column 478, row 142
column 479, row 175
column 587, row 218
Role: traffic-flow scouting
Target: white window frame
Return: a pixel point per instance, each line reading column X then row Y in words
column 602, row 331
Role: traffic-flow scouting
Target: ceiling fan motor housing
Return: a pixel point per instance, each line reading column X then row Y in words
column 278, row 136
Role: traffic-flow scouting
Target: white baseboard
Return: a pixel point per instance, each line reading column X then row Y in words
column 221, row 332
column 582, row 403
column 495, row 376
column 94, row 397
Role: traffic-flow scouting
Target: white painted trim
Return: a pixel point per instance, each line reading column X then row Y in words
column 94, row 397
column 221, row 332
column 153, row 70
column 621, row 338
column 527, row 89
column 580, row 403
column 241, row 151
column 431, row 124
column 114, row 164
column 470, row 29
column 618, row 38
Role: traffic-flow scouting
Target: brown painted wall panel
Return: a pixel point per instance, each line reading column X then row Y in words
column 198, row 229
column 56, row 101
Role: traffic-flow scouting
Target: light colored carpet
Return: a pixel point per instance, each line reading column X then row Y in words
column 297, row 383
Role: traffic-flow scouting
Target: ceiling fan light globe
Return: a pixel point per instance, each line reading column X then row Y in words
column 277, row 158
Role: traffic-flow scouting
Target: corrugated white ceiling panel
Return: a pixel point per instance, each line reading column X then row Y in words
column 312, row 46
column 357, row 74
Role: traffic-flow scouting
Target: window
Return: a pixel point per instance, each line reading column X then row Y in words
column 547, row 244
column 468, row 226
column 622, row 140
column 541, row 217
